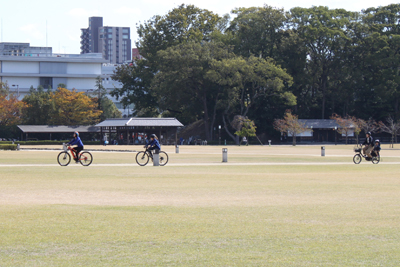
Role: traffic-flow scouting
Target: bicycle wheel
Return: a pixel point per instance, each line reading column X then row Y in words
column 163, row 158
column 357, row 158
column 142, row 158
column 64, row 158
column 85, row 158
column 375, row 160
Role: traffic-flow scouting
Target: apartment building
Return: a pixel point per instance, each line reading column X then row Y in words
column 114, row 43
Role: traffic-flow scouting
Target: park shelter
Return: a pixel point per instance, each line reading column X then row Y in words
column 135, row 130
column 51, row 129
column 322, row 130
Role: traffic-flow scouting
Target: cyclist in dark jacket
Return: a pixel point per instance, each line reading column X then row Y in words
column 377, row 147
column 153, row 144
column 79, row 145
column 368, row 145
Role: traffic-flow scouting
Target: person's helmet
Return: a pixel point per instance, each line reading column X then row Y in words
column 77, row 134
column 152, row 136
column 369, row 133
column 377, row 141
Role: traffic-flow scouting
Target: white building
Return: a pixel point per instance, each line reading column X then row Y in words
column 75, row 71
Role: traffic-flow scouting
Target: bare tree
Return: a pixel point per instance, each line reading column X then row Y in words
column 347, row 125
column 368, row 126
column 391, row 127
column 290, row 124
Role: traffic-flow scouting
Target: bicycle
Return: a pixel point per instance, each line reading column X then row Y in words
column 360, row 155
column 143, row 157
column 64, row 158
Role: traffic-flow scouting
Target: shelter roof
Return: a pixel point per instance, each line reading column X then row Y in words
column 57, row 129
column 320, row 124
column 143, row 122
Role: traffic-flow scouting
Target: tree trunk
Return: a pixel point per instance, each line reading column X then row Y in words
column 323, row 98
column 294, row 139
column 206, row 118
column 213, row 119
column 234, row 138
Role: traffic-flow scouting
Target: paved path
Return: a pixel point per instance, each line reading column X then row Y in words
column 204, row 164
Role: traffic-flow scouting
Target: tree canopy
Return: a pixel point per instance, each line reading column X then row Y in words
column 315, row 61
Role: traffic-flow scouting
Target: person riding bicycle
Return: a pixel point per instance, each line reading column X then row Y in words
column 79, row 145
column 377, row 147
column 368, row 145
column 153, row 144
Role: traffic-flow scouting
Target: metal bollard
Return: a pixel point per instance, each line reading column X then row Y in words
column 322, row 151
column 156, row 158
column 269, row 141
column 18, row 147
column 64, row 147
column 224, row 155
column 177, row 149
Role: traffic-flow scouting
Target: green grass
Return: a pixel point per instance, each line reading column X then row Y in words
column 280, row 215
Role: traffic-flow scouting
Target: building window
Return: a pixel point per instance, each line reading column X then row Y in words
column 110, row 36
column 125, row 30
column 125, row 36
column 46, row 82
column 109, row 29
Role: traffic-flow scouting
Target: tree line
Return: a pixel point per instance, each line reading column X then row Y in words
column 58, row 107
column 260, row 61
column 291, row 126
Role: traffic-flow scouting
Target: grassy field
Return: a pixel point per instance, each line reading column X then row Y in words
column 269, row 206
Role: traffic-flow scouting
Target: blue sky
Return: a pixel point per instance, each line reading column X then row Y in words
column 25, row 20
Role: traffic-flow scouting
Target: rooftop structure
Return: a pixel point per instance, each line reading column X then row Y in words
column 23, row 50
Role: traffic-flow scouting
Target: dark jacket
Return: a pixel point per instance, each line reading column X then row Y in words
column 377, row 147
column 369, row 141
column 76, row 141
column 154, row 143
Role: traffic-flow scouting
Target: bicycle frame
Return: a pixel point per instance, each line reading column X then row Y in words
column 72, row 150
column 373, row 153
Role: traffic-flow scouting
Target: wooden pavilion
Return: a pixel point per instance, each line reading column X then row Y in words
column 136, row 130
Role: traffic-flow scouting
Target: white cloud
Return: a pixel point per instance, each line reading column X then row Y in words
column 127, row 10
column 32, row 30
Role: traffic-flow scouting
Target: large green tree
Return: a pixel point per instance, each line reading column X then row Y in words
column 379, row 50
column 39, row 107
column 323, row 33
column 258, row 31
column 183, row 84
column 184, row 24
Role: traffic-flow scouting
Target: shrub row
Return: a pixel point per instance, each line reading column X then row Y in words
column 8, row 147
column 5, row 142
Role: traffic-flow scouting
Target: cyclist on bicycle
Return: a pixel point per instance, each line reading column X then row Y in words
column 368, row 145
column 153, row 144
column 377, row 147
column 79, row 145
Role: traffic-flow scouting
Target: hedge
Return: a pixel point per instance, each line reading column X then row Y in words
column 8, row 147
